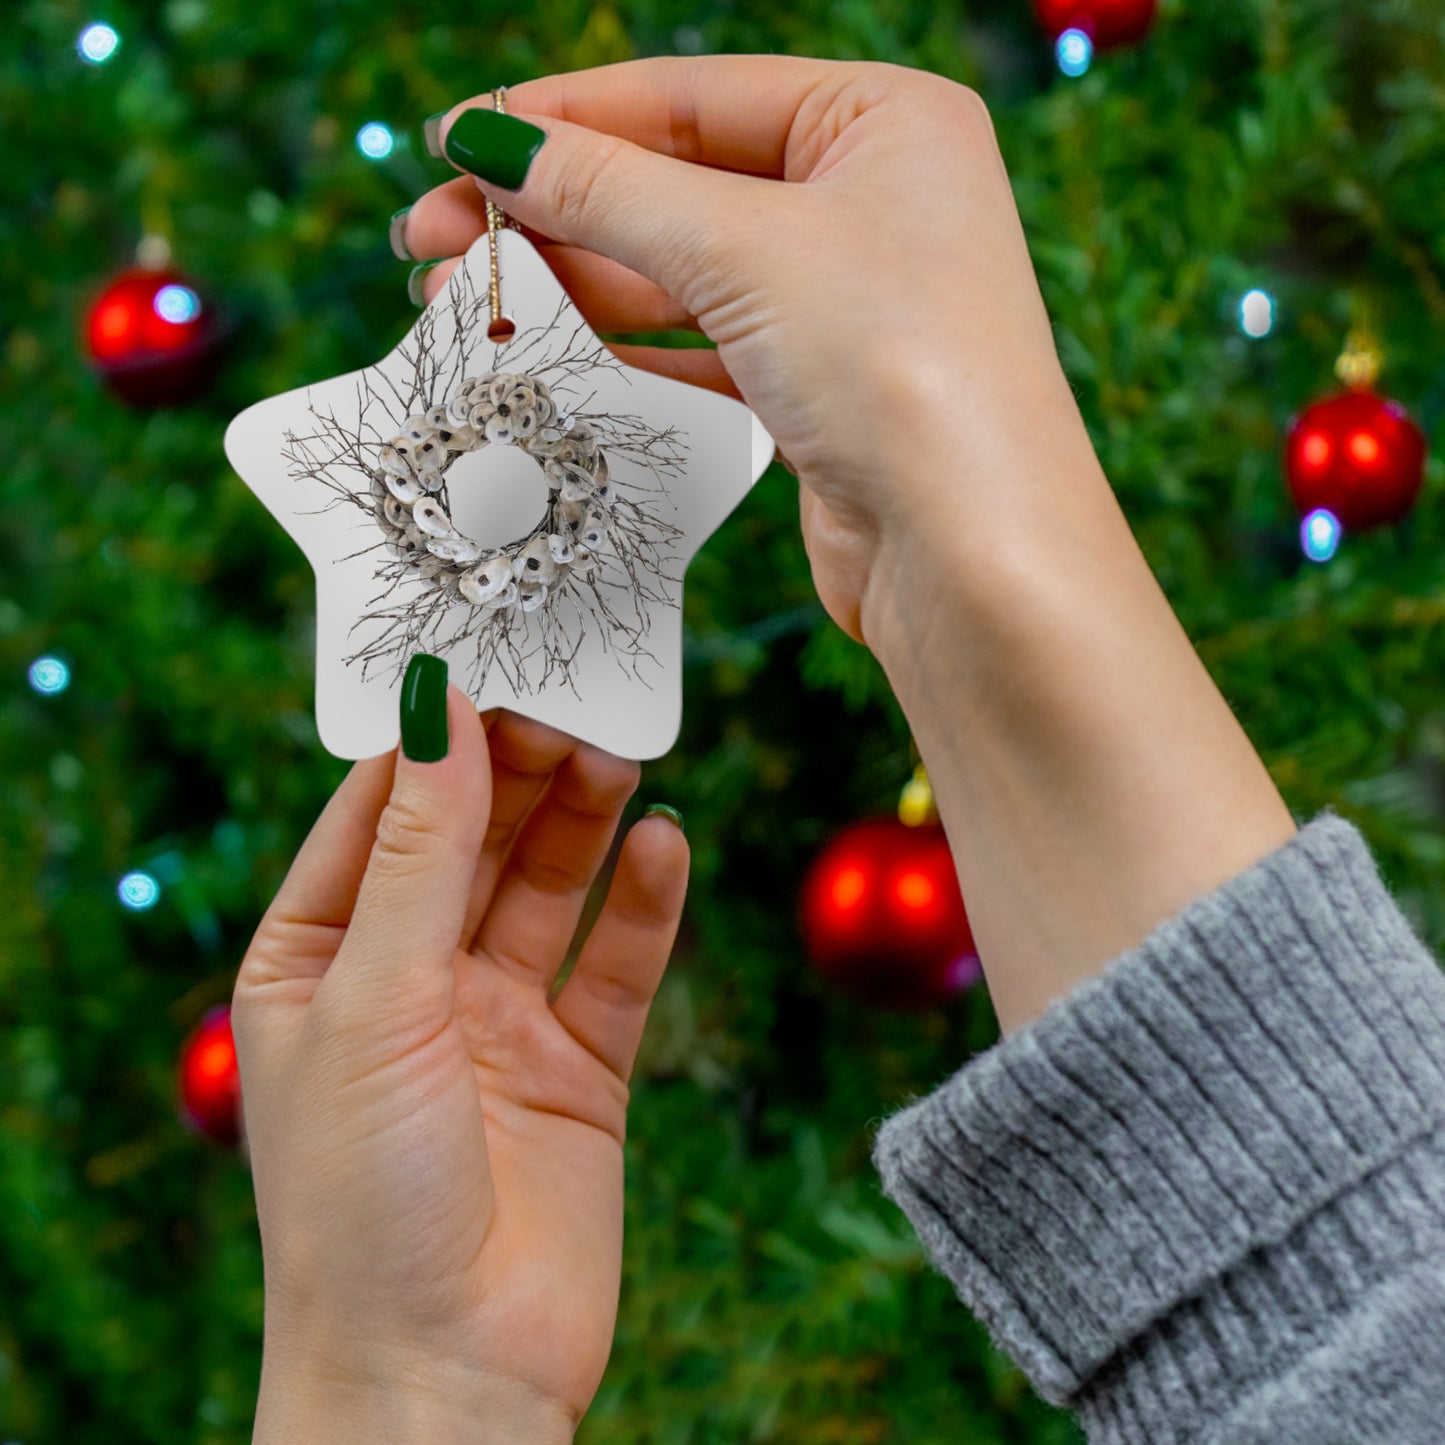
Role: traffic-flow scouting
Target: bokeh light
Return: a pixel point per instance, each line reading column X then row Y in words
column 177, row 304
column 914, row 889
column 375, row 140
column 1256, row 313
column 966, row 969
column 1364, row 448
column 49, row 675
column 1320, row 535
column 849, row 886
column 138, row 891
column 97, row 43
column 1075, row 52
column 1315, row 451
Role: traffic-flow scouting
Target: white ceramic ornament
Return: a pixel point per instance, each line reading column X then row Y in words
column 525, row 509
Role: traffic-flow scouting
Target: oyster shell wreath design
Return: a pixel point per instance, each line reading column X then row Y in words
column 496, row 409
column 590, row 576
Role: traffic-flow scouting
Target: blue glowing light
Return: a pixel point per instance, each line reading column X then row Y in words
column 49, row 675
column 1075, row 52
column 1320, row 535
column 97, row 43
column 177, row 304
column 375, row 141
column 138, row 891
column 1256, row 313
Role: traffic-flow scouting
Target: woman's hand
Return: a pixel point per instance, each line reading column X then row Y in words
column 437, row 1148
column 847, row 234
column 879, row 312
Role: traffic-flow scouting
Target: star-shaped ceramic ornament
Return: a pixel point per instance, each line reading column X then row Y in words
column 525, row 509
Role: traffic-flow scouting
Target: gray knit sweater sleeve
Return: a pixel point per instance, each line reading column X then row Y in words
column 1201, row 1200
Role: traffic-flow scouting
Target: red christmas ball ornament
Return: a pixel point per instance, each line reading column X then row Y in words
column 209, row 1080
column 152, row 338
column 1107, row 23
column 883, row 919
column 1359, row 456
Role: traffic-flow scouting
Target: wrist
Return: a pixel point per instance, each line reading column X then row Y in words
column 980, row 516
column 1092, row 779
column 399, row 1401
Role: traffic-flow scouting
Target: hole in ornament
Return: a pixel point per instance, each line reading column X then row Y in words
column 502, row 329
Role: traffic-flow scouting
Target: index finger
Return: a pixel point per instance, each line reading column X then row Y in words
column 733, row 112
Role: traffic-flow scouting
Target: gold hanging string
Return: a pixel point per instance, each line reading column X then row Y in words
column 497, row 219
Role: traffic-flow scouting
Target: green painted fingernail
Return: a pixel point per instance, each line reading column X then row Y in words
column 396, row 233
column 424, row 736
column 431, row 133
column 666, row 812
column 413, row 282
column 498, row 148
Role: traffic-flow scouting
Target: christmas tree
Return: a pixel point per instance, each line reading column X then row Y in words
column 1213, row 210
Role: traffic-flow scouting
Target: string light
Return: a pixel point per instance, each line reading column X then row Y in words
column 97, row 43
column 966, row 969
column 177, row 304
column 49, row 675
column 138, row 891
column 375, row 140
column 1320, row 535
column 1075, row 52
column 1256, row 313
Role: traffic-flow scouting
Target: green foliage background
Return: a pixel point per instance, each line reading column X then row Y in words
column 771, row 1292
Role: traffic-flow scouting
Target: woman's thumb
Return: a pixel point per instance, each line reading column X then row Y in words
column 412, row 902
column 666, row 219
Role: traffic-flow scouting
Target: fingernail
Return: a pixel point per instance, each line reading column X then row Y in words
column 431, row 133
column 396, row 233
column 497, row 147
column 413, row 282
column 424, row 737
column 670, row 813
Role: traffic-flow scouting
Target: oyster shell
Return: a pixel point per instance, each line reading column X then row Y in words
column 405, row 489
column 535, row 563
column 487, row 581
column 431, row 519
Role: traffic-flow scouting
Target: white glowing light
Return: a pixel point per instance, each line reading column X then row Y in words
column 97, row 43
column 177, row 304
column 1256, row 313
column 375, row 140
column 138, row 891
column 1075, row 52
column 1320, row 535
column 49, row 675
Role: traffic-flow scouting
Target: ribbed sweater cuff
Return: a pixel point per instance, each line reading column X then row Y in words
column 1179, row 1156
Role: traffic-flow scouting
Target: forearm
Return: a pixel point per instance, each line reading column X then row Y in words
column 1091, row 778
